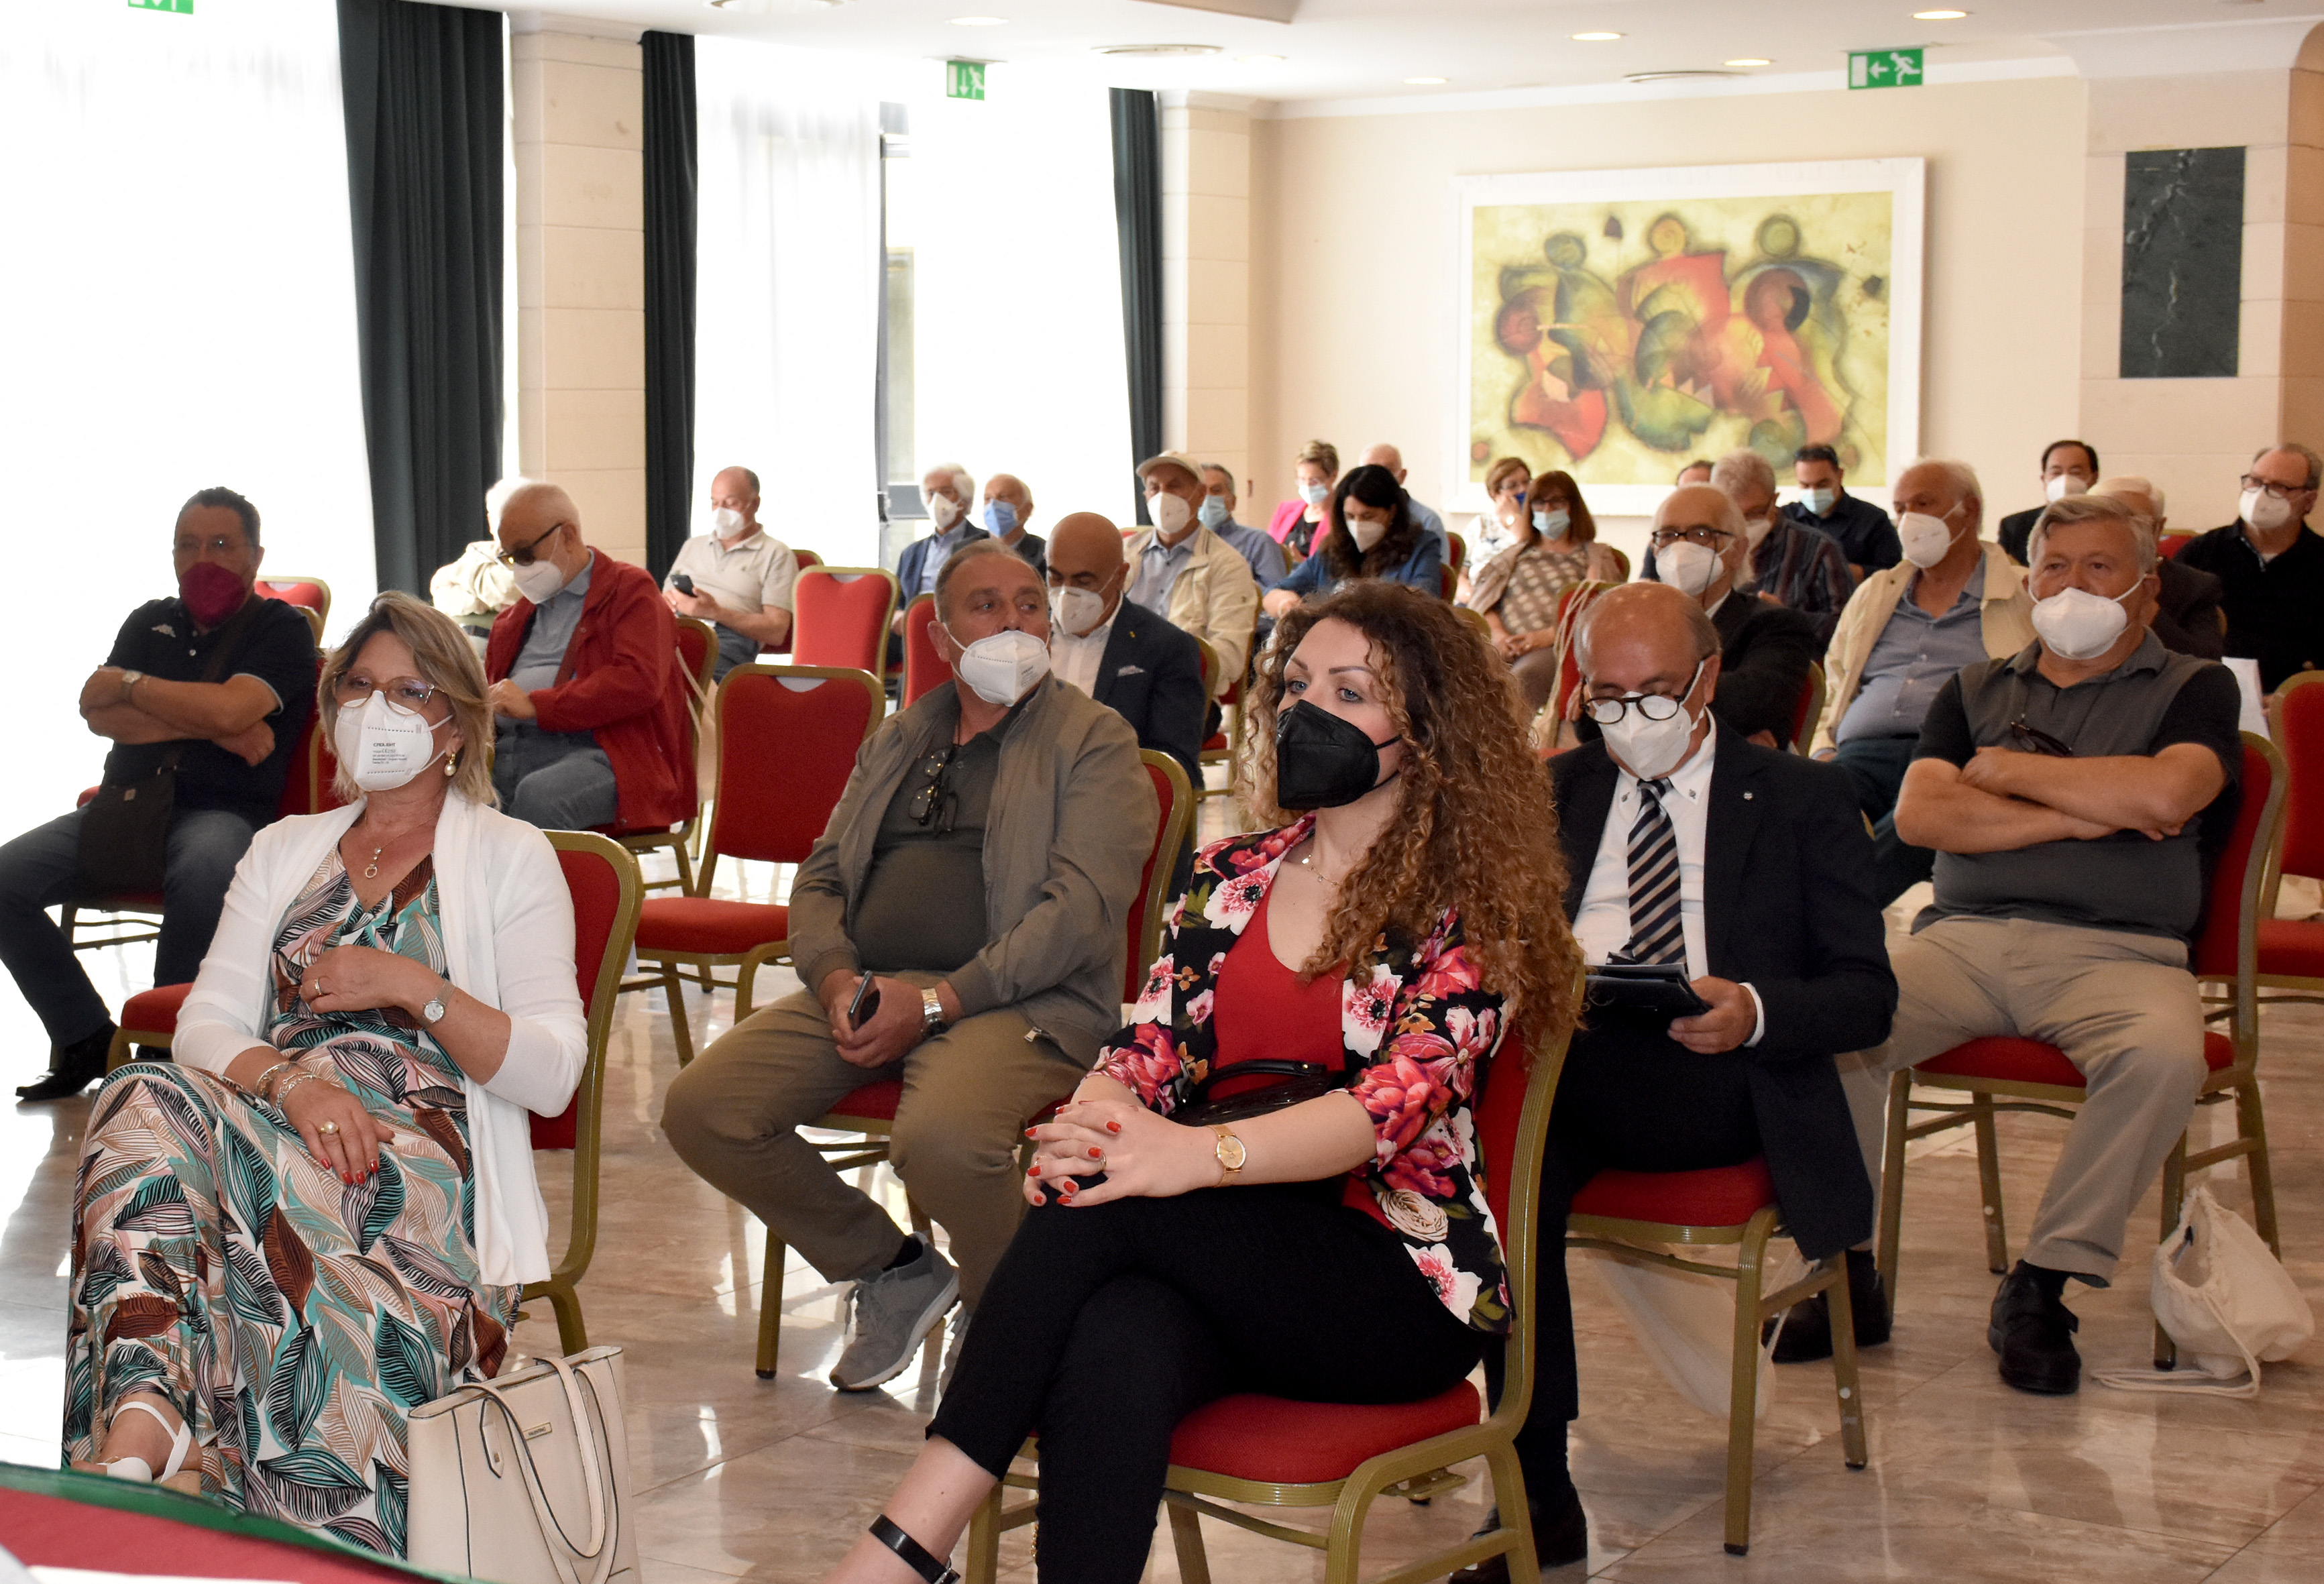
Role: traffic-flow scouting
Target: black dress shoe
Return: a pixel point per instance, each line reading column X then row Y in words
column 1561, row 1537
column 72, row 1068
column 2033, row 1332
column 1807, row 1328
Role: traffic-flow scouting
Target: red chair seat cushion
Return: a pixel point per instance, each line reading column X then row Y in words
column 2291, row 945
column 709, row 924
column 1275, row 1441
column 1216, row 743
column 1720, row 1196
column 2007, row 1058
column 154, row 1011
column 624, row 832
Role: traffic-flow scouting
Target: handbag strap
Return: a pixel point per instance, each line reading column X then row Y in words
column 1258, row 1067
column 595, row 1475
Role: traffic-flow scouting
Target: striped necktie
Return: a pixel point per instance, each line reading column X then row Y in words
column 1655, row 933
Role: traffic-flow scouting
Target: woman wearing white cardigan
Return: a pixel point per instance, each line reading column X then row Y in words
column 321, row 1215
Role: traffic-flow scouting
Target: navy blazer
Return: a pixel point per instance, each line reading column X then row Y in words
column 915, row 557
column 1787, row 906
column 1151, row 674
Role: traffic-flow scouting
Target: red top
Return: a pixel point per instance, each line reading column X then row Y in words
column 1261, row 1009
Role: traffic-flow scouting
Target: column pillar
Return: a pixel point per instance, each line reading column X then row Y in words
column 1206, row 279
column 578, row 100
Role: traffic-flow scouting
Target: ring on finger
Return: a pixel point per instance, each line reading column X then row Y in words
column 327, row 1128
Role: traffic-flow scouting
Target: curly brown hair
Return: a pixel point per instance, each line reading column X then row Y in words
column 1474, row 832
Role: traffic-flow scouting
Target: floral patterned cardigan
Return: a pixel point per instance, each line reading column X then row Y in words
column 1416, row 1024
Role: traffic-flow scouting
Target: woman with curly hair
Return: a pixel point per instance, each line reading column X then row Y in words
column 1405, row 910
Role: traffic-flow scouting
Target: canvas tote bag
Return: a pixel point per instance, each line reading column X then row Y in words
column 2220, row 1293
column 526, row 1479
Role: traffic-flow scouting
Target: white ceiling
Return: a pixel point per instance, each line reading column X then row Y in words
column 1364, row 49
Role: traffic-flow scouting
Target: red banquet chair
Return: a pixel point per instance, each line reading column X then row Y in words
column 697, row 656
column 310, row 595
column 2291, row 950
column 1456, row 551
column 924, row 666
column 839, row 617
column 2170, row 544
column 787, row 737
column 869, row 1112
column 1809, row 714
column 805, row 558
column 1254, row 1450
column 2037, row 1077
column 1223, row 746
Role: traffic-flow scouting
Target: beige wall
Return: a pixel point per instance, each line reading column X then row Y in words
column 1206, row 280
column 1353, row 261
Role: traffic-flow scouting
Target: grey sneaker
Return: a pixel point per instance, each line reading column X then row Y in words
column 887, row 1316
column 960, row 1319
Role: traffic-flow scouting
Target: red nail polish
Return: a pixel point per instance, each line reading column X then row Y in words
column 1095, row 1153
column 1033, row 1171
column 1113, row 1127
column 1029, row 1133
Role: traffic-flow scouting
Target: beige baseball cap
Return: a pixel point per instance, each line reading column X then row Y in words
column 1174, row 459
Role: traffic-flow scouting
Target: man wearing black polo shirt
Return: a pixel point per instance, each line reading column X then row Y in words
column 2069, row 467
column 1861, row 530
column 234, row 739
column 2071, row 792
column 2269, row 565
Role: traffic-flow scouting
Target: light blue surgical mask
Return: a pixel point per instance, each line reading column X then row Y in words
column 999, row 519
column 1314, row 493
column 1553, row 525
column 1214, row 513
column 1822, row 499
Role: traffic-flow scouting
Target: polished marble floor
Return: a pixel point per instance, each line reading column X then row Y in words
column 771, row 1481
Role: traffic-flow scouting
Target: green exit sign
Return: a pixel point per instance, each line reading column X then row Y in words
column 964, row 79
column 1884, row 68
column 182, row 7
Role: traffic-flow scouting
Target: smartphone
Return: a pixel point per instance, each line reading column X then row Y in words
column 866, row 1003
column 682, row 582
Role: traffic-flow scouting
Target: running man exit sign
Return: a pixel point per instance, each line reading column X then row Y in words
column 1884, row 68
column 964, row 79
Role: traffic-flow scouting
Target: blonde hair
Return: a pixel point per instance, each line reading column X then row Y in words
column 1322, row 454
column 447, row 663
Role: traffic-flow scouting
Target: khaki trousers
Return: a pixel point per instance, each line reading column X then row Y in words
column 2121, row 1006
column 734, row 1115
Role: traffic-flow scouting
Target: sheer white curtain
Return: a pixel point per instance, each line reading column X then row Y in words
column 788, row 283
column 180, row 313
column 1018, row 359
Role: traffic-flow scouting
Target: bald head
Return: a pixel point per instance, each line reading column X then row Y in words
column 1085, row 554
column 1647, row 638
column 2137, row 494
column 540, row 518
column 1385, row 455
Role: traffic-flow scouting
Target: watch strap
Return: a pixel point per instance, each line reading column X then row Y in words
column 932, row 1014
column 915, row 1555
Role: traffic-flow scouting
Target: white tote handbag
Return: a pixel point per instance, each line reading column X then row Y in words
column 2220, row 1293
column 526, row 1479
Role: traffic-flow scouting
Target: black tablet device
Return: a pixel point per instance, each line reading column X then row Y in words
column 1659, row 987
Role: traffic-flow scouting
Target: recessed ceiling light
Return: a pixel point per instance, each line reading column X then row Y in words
column 1156, row 51
column 1751, row 60
column 1426, row 82
column 980, row 21
column 1259, row 61
column 1939, row 16
column 1679, row 76
column 1595, row 38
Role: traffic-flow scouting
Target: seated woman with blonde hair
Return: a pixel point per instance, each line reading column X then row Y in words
column 1406, row 911
column 322, row 1214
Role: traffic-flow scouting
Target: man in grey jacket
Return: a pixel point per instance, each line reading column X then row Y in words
column 960, row 925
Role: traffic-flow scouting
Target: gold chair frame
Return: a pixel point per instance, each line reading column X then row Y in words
column 1231, row 717
column 2291, row 988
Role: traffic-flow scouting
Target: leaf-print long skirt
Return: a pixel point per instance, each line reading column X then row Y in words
column 293, row 1321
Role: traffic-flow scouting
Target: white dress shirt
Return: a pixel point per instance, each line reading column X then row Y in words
column 1075, row 659
column 1602, row 925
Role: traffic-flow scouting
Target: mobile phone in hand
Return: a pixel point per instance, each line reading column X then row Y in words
column 866, row 1003
column 683, row 582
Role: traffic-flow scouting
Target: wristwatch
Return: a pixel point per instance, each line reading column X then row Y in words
column 433, row 1012
column 1230, row 1155
column 129, row 680
column 932, row 1018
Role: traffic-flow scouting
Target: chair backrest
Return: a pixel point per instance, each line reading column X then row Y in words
column 1448, row 578
column 1570, row 606
column 807, row 557
column 924, row 666
column 2170, row 544
column 2227, row 942
column 311, row 593
column 1510, row 1110
column 1210, row 664
column 2296, row 721
column 1622, row 561
column 1456, row 551
column 303, row 787
column 698, row 650
column 839, row 617
column 787, row 738
column 1475, row 622
column 1806, row 718
column 1174, row 795
column 603, row 880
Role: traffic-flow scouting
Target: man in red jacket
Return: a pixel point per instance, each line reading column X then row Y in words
column 588, row 699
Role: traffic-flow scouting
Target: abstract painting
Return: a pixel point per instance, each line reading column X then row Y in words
column 1617, row 323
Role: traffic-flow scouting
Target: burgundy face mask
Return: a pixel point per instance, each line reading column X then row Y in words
column 211, row 593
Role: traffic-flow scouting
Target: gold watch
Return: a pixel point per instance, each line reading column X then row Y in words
column 1231, row 1156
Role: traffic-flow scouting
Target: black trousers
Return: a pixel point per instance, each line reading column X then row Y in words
column 1104, row 1326
column 1632, row 1098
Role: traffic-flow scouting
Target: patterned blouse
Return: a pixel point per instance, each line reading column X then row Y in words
column 1415, row 1023
column 1523, row 584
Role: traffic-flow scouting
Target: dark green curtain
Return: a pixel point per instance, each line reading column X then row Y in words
column 425, row 122
column 1138, row 217
column 670, row 176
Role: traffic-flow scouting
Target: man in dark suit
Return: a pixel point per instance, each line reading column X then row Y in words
column 1120, row 653
column 1700, row 549
column 1686, row 844
column 2069, row 467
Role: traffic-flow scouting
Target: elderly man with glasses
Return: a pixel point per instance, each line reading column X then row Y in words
column 2070, row 791
column 959, row 925
column 2269, row 565
column 588, row 699
column 1701, row 549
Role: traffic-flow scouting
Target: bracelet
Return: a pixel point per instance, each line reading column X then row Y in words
column 264, row 1088
column 292, row 1084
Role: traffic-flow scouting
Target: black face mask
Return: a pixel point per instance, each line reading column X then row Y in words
column 1323, row 761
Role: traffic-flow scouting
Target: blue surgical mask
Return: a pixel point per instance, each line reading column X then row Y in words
column 1553, row 525
column 1313, row 495
column 1822, row 499
column 999, row 519
column 1214, row 512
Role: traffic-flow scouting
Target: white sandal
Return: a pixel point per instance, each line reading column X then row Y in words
column 181, row 1443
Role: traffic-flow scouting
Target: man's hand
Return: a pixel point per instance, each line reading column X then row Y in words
column 890, row 1031
column 250, row 744
column 1991, row 772
column 101, row 689
column 698, row 605
column 511, row 702
column 1732, row 1017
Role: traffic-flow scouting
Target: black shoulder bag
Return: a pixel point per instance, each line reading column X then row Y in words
column 124, row 830
column 1301, row 1080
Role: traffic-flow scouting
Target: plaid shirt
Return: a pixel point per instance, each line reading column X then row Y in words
column 1804, row 569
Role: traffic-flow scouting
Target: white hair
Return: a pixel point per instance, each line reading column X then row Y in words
column 1737, row 468
column 2134, row 485
column 961, row 481
column 1959, row 474
column 498, row 496
column 2095, row 508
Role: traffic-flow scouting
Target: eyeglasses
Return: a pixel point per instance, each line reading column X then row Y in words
column 2032, row 739
column 522, row 554
column 1653, row 706
column 2252, row 481
column 408, row 694
column 938, row 802
column 217, row 544
column 1709, row 539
